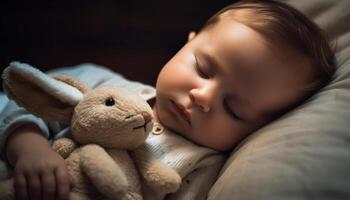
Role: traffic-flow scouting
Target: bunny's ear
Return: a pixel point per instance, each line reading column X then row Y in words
column 44, row 96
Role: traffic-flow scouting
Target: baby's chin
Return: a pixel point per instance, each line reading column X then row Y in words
column 177, row 130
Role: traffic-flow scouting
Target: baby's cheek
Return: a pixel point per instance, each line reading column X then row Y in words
column 206, row 129
column 221, row 128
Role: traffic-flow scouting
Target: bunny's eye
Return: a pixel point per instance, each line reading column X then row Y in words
column 109, row 102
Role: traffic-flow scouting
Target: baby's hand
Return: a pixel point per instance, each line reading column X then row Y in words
column 41, row 175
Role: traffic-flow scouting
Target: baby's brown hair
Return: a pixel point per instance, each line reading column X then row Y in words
column 283, row 24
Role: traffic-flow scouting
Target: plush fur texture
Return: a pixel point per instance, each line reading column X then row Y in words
column 106, row 124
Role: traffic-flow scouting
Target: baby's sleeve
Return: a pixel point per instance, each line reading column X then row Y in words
column 91, row 74
column 14, row 116
column 97, row 76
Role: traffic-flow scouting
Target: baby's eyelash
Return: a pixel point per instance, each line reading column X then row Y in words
column 230, row 111
column 199, row 70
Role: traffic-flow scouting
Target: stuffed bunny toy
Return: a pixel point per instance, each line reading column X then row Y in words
column 106, row 155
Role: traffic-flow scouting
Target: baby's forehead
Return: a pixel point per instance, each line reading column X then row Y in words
column 276, row 36
column 242, row 42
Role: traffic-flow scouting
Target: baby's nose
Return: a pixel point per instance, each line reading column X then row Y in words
column 202, row 98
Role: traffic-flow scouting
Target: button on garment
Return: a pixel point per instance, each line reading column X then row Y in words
column 157, row 129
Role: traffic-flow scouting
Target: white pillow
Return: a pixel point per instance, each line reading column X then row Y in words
column 306, row 153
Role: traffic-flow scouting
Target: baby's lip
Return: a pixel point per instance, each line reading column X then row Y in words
column 182, row 112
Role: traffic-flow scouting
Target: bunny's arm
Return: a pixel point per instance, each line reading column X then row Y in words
column 103, row 172
column 157, row 175
column 64, row 146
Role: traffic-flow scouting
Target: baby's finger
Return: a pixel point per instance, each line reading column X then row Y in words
column 63, row 183
column 48, row 182
column 34, row 187
column 20, row 186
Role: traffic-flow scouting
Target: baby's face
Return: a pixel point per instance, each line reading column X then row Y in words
column 225, row 83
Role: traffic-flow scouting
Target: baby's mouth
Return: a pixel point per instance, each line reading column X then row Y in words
column 182, row 112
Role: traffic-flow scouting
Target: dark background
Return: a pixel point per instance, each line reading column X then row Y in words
column 134, row 38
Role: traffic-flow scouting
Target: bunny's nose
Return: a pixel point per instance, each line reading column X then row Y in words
column 146, row 116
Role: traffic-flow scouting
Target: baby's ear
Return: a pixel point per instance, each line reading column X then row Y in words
column 191, row 35
column 44, row 96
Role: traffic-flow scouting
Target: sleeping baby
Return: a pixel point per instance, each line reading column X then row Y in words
column 250, row 63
